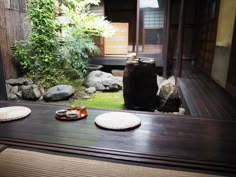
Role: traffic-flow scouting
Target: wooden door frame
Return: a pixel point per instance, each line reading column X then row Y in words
column 3, row 91
column 230, row 87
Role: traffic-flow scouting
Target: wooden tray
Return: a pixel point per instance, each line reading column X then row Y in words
column 79, row 116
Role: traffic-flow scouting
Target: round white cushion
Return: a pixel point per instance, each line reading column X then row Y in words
column 117, row 120
column 13, row 113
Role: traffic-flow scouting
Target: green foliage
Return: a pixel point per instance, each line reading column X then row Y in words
column 79, row 44
column 42, row 58
column 39, row 54
column 86, row 21
column 76, row 51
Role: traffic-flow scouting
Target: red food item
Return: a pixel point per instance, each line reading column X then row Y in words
column 73, row 107
column 83, row 111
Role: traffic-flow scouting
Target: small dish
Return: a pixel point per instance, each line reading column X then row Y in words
column 61, row 112
column 72, row 114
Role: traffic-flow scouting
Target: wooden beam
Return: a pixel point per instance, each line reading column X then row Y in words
column 137, row 27
column 167, row 34
column 3, row 92
column 180, row 40
column 231, row 80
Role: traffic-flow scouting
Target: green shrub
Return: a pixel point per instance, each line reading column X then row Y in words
column 76, row 51
column 79, row 44
column 39, row 54
column 42, row 58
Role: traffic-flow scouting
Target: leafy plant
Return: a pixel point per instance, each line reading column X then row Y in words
column 87, row 21
column 76, row 51
column 39, row 54
column 42, row 58
column 79, row 44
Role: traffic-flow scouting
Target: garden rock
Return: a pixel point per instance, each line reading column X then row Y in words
column 159, row 80
column 162, row 82
column 168, row 96
column 181, row 111
column 103, row 81
column 90, row 90
column 22, row 88
column 19, row 81
column 19, row 94
column 31, row 92
column 12, row 96
column 14, row 89
column 8, row 88
column 59, row 92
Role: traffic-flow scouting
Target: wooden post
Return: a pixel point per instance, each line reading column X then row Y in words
column 180, row 40
column 167, row 34
column 137, row 27
column 3, row 92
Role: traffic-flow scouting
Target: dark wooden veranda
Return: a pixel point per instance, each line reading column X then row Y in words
column 192, row 143
column 204, row 97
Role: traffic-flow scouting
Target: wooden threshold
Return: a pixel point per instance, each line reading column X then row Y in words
column 177, row 141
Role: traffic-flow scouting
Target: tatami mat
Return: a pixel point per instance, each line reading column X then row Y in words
column 18, row 163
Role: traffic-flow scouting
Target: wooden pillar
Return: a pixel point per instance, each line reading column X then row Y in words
column 167, row 34
column 137, row 27
column 3, row 92
column 180, row 40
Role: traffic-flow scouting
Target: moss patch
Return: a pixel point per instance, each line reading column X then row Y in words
column 110, row 100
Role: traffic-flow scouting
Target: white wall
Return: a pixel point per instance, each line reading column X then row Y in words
column 223, row 41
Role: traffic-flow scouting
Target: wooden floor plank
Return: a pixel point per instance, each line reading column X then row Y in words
column 192, row 142
column 204, row 97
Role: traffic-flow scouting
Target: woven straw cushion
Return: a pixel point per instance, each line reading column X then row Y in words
column 117, row 121
column 13, row 113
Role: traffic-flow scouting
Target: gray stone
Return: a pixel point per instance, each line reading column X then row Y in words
column 96, row 73
column 14, row 89
column 90, row 90
column 35, row 86
column 31, row 93
column 160, row 79
column 28, row 82
column 169, row 98
column 59, row 92
column 99, row 86
column 36, row 92
column 12, row 96
column 13, row 82
column 181, row 111
column 19, row 81
column 161, row 82
column 117, row 72
column 25, row 87
column 8, row 88
column 103, row 81
column 19, row 94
